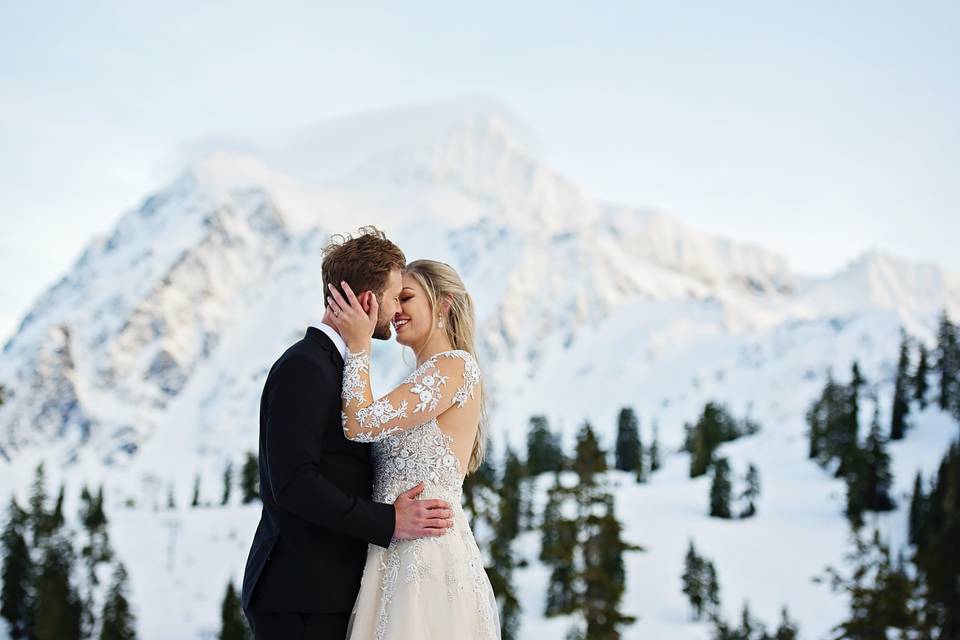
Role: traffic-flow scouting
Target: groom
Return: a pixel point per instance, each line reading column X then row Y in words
column 304, row 568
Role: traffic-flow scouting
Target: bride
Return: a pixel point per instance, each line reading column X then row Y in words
column 428, row 429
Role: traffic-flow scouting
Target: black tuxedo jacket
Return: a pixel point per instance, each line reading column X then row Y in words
column 311, row 544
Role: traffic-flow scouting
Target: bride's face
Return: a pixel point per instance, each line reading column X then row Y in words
column 413, row 322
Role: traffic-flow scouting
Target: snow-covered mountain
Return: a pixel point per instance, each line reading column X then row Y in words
column 143, row 365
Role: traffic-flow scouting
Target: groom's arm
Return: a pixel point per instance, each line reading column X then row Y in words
column 294, row 448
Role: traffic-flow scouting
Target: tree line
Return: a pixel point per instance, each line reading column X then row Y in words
column 42, row 597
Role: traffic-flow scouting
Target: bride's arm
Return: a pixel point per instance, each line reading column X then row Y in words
column 434, row 387
column 430, row 390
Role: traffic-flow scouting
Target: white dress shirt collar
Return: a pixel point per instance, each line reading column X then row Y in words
column 336, row 337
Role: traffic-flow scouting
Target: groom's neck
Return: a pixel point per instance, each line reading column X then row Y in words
column 328, row 320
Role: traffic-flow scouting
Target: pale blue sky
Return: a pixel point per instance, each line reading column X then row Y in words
column 817, row 129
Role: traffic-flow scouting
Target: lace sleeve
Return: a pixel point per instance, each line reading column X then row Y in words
column 446, row 379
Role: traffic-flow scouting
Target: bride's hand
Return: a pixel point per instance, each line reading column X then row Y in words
column 355, row 325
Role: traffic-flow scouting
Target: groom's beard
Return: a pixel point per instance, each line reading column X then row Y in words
column 382, row 330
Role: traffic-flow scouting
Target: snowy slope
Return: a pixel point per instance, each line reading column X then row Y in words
column 143, row 365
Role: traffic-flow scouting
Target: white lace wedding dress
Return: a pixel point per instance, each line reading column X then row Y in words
column 431, row 588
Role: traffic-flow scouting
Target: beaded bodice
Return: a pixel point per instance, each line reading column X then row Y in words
column 421, row 454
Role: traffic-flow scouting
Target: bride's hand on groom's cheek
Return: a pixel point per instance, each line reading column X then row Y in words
column 355, row 325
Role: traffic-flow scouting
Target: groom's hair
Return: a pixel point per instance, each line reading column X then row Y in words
column 364, row 261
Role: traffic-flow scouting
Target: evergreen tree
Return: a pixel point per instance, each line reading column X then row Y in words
column 937, row 558
column 250, row 479
column 233, row 626
column 40, row 519
column 711, row 589
column 693, row 581
column 604, row 574
column 557, row 547
column 714, row 427
column 751, row 492
column 479, row 491
column 117, row 622
column 919, row 381
column 59, row 608
column 629, row 449
column 843, row 433
column 788, row 629
column 901, row 405
column 56, row 516
column 195, row 501
column 500, row 574
column 948, row 363
column 877, row 468
column 590, row 458
column 96, row 547
column 655, row 449
column 171, row 501
column 720, row 489
column 880, row 593
column 917, row 511
column 833, row 423
column 543, row 447
column 227, row 484
column 511, row 496
column 16, row 597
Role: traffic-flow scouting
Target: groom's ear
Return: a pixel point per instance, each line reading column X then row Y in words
column 364, row 300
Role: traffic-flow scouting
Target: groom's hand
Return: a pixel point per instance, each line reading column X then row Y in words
column 420, row 518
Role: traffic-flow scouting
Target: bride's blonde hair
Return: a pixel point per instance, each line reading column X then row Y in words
column 441, row 282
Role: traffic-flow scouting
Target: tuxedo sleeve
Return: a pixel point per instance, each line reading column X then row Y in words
column 295, row 403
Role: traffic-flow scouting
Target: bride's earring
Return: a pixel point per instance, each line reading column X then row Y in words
column 439, row 323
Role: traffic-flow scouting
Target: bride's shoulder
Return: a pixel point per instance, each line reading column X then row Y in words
column 471, row 370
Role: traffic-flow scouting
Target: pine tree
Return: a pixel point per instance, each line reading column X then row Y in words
column 195, row 501
column 500, row 574
column 233, row 626
column 16, row 597
column 250, row 479
column 59, row 608
column 655, row 449
column 720, row 489
column 96, row 548
column 917, row 511
column 117, row 622
column 919, row 381
column 936, row 556
column 56, row 516
column 40, row 519
column 558, row 544
column 788, row 629
column 511, row 496
column 227, row 484
column 171, row 501
column 877, row 468
column 901, row 405
column 629, row 449
column 947, row 364
column 590, row 458
column 880, row 593
column 543, row 447
column 844, row 429
column 714, row 427
column 693, row 581
column 479, row 491
column 711, row 589
column 604, row 574
column 751, row 492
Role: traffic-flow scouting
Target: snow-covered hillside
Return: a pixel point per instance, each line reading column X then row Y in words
column 143, row 365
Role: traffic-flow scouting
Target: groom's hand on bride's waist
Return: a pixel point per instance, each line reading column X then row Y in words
column 420, row 518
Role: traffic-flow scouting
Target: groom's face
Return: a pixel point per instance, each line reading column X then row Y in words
column 389, row 305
